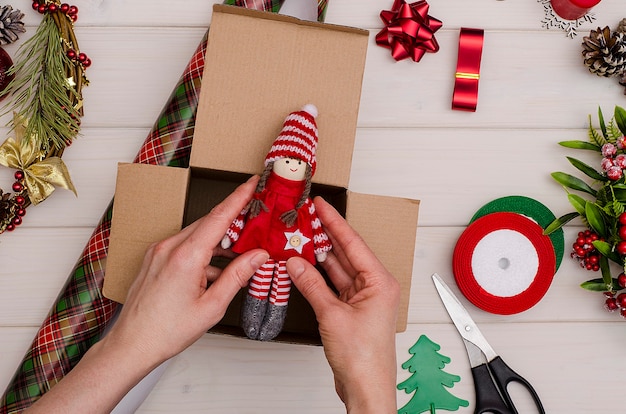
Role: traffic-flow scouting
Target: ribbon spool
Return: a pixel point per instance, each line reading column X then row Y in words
column 503, row 263
column 532, row 209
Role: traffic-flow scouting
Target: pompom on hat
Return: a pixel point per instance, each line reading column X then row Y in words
column 298, row 138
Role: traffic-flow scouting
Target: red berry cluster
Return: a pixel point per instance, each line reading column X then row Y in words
column 20, row 201
column 614, row 302
column 71, row 12
column 584, row 251
column 46, row 7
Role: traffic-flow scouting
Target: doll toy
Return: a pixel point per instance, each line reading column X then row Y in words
column 281, row 219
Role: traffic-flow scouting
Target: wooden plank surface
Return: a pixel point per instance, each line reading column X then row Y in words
column 534, row 92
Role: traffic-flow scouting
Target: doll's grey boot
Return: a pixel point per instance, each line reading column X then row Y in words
column 273, row 322
column 252, row 314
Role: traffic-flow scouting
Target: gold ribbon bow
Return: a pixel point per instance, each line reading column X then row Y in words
column 41, row 174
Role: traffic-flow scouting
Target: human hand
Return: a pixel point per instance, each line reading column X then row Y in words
column 169, row 305
column 357, row 326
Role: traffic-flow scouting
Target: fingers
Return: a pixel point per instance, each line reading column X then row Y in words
column 234, row 277
column 202, row 236
column 346, row 240
column 311, row 284
column 340, row 278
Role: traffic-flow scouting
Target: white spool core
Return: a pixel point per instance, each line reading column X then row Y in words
column 505, row 263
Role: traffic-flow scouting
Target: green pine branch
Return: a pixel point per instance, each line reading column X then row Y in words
column 41, row 92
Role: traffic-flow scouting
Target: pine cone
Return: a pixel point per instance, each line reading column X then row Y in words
column 621, row 28
column 10, row 24
column 622, row 81
column 605, row 53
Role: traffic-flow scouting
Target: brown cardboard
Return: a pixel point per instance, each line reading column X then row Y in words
column 148, row 207
column 253, row 81
column 241, row 111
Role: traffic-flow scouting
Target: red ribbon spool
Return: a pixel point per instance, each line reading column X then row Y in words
column 510, row 287
column 409, row 31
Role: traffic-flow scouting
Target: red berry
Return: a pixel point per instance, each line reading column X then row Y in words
column 72, row 10
column 17, row 220
column 87, row 63
column 20, row 200
column 35, row 5
column 622, row 219
column 65, row 7
column 611, row 304
column 41, row 9
column 622, row 232
column 622, row 312
column 621, row 248
column 52, row 7
column 621, row 280
column 20, row 212
column 17, row 187
column 82, row 57
column 19, row 175
column 10, row 227
column 71, row 54
column 621, row 300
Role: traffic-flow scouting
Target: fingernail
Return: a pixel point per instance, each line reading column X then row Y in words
column 251, row 178
column 258, row 259
column 296, row 268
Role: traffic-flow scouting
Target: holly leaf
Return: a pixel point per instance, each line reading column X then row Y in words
column 606, row 272
column 620, row 118
column 606, row 250
column 619, row 194
column 601, row 119
column 580, row 145
column 578, row 202
column 572, row 182
column 586, row 169
column 560, row 222
column 598, row 285
column 595, row 218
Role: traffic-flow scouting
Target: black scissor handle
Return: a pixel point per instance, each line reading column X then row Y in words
column 504, row 375
column 488, row 399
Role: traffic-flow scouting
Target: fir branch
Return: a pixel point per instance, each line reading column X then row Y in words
column 41, row 93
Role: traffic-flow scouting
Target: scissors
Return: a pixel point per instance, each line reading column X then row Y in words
column 491, row 374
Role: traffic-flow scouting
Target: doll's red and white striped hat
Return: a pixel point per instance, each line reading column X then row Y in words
column 298, row 138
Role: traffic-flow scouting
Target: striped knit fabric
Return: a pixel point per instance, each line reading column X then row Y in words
column 81, row 313
column 281, row 285
column 261, row 282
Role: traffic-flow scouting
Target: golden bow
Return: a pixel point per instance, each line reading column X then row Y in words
column 41, row 174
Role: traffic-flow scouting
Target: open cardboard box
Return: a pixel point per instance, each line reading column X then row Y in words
column 259, row 68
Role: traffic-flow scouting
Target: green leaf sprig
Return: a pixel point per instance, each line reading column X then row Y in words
column 603, row 201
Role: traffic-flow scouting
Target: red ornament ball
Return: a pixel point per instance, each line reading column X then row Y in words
column 611, row 304
column 621, row 280
column 621, row 248
column 622, row 232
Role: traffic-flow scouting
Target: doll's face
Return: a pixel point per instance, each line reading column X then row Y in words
column 290, row 168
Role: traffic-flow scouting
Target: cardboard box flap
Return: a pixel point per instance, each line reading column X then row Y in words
column 388, row 225
column 149, row 206
column 259, row 65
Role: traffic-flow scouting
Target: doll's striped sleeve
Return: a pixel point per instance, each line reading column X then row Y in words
column 236, row 226
column 321, row 242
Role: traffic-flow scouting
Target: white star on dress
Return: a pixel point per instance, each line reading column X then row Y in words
column 295, row 241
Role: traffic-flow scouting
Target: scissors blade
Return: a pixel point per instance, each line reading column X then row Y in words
column 464, row 323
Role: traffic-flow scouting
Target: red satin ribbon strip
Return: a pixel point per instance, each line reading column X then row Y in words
column 467, row 74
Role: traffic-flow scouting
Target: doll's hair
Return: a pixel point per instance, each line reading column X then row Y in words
column 288, row 217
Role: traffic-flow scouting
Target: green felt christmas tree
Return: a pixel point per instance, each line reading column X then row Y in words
column 428, row 380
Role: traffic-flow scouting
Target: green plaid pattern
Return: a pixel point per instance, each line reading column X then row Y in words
column 81, row 312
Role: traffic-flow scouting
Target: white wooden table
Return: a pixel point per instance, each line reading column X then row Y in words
column 534, row 92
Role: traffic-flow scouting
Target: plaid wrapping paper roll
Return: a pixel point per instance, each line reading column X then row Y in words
column 81, row 313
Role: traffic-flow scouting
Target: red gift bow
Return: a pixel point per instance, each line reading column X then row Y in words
column 409, row 31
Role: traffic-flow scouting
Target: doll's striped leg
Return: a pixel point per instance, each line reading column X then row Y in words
column 256, row 301
column 278, row 300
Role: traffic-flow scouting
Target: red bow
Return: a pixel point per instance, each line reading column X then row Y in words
column 409, row 31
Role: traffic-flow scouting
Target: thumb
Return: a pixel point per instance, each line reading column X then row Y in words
column 234, row 277
column 310, row 283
